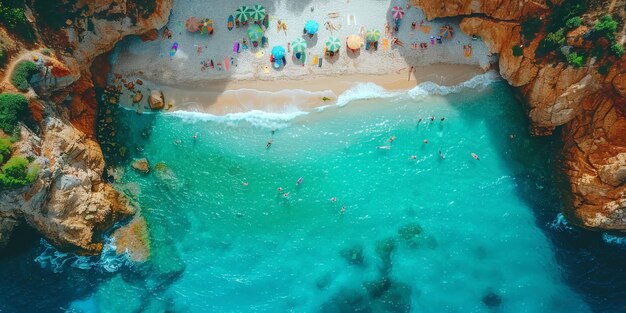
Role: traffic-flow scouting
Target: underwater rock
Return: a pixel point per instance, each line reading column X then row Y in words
column 384, row 249
column 166, row 176
column 156, row 100
column 133, row 239
column 376, row 288
column 324, row 281
column 410, row 231
column 492, row 299
column 142, row 166
column 347, row 301
column 353, row 255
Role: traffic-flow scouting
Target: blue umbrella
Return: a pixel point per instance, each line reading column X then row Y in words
column 278, row 52
column 311, row 27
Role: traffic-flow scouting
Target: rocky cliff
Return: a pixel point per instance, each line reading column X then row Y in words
column 589, row 106
column 70, row 204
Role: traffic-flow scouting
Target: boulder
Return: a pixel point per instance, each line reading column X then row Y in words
column 137, row 97
column 142, row 166
column 156, row 100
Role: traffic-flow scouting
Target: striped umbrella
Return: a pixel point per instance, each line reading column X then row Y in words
column 255, row 32
column 354, row 42
column 278, row 52
column 397, row 12
column 373, row 35
column 311, row 27
column 298, row 45
column 257, row 12
column 191, row 24
column 206, row 26
column 242, row 14
column 333, row 44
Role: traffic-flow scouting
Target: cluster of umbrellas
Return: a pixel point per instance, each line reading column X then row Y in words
column 244, row 13
column 204, row 26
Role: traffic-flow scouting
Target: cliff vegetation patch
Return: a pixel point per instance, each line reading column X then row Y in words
column 13, row 109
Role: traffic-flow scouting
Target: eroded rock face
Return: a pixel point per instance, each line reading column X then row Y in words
column 589, row 106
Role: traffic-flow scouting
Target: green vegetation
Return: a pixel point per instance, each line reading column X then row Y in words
column 530, row 28
column 2, row 56
column 46, row 52
column 16, row 173
column 5, row 149
column 561, row 14
column 617, row 50
column 551, row 42
column 22, row 73
column 576, row 59
column 604, row 68
column 12, row 16
column 13, row 108
column 606, row 28
column 573, row 22
column 54, row 13
column 518, row 51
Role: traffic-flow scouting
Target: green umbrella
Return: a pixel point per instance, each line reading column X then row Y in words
column 298, row 45
column 333, row 44
column 257, row 12
column 255, row 32
column 242, row 14
column 373, row 35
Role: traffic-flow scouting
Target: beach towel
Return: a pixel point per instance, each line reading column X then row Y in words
column 425, row 29
column 315, row 57
column 349, row 20
column 236, row 47
column 174, row 49
column 266, row 69
column 260, row 54
column 354, row 20
column 226, row 64
column 385, row 44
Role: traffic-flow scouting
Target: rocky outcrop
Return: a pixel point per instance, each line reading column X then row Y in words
column 590, row 107
column 69, row 203
column 141, row 166
column 156, row 100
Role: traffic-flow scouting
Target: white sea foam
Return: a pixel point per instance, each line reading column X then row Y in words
column 560, row 223
column 58, row 261
column 256, row 118
column 364, row 91
column 614, row 240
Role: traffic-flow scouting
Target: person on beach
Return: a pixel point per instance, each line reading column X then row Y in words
column 411, row 71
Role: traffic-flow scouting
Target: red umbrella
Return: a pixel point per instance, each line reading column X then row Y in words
column 397, row 12
column 192, row 24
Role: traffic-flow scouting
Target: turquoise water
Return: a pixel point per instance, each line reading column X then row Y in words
column 417, row 235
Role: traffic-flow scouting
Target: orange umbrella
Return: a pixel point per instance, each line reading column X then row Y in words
column 192, row 24
column 354, row 42
column 206, row 26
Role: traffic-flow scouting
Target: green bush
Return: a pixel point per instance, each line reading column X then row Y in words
column 606, row 28
column 518, row 51
column 551, row 42
column 560, row 15
column 5, row 148
column 576, row 60
column 573, row 22
column 13, row 108
column 617, row 50
column 530, row 28
column 16, row 173
column 22, row 73
column 12, row 16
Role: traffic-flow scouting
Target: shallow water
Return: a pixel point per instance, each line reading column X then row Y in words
column 423, row 235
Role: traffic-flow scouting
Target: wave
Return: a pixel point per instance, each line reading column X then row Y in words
column 367, row 91
column 269, row 120
column 58, row 261
column 560, row 223
column 614, row 240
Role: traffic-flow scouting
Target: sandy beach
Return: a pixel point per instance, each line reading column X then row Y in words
column 187, row 86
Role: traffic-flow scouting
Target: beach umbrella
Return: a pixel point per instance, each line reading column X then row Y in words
column 373, row 35
column 278, row 52
column 354, row 42
column 333, row 44
column 298, row 45
column 397, row 12
column 311, row 27
column 206, row 26
column 255, row 32
column 257, row 12
column 191, row 24
column 242, row 14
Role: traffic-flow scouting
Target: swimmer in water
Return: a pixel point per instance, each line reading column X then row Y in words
column 475, row 156
column 299, row 181
column 333, row 199
column 392, row 139
column 286, row 195
column 425, row 141
column 195, row 136
column 384, row 147
column 419, row 121
column 432, row 118
column 443, row 118
column 441, row 156
column 245, row 183
column 269, row 144
column 414, row 157
column 343, row 209
column 280, row 189
column 177, row 142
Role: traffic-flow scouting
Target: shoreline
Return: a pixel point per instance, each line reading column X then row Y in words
column 278, row 94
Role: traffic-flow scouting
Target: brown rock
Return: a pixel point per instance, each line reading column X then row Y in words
column 133, row 239
column 142, row 166
column 156, row 100
column 151, row 35
column 137, row 97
